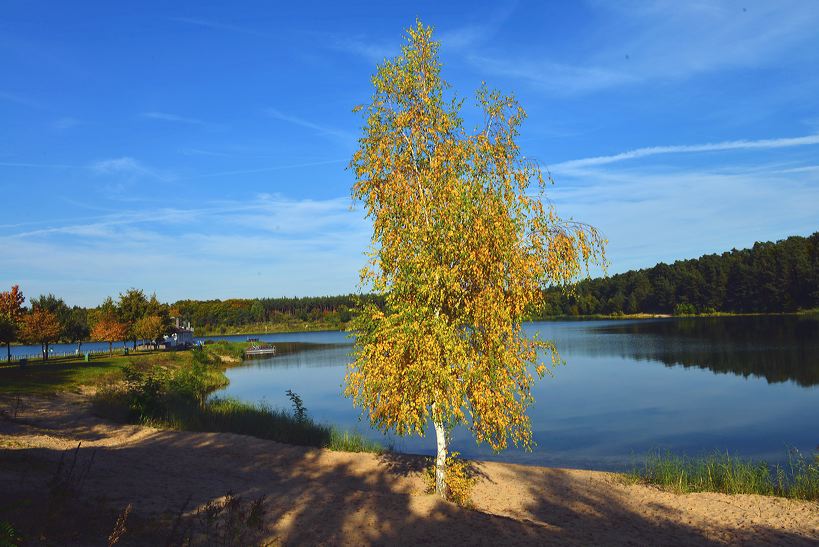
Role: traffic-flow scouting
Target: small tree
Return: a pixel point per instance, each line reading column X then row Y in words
column 41, row 327
column 257, row 311
column 150, row 327
column 463, row 247
column 8, row 333
column 75, row 326
column 51, row 303
column 132, row 306
column 155, row 307
column 109, row 329
column 11, row 314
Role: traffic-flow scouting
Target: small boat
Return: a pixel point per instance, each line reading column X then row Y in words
column 257, row 350
column 252, row 339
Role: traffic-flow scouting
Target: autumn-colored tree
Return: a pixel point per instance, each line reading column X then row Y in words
column 132, row 306
column 109, row 329
column 11, row 314
column 463, row 246
column 150, row 327
column 41, row 326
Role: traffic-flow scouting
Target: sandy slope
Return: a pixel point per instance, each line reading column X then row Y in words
column 322, row 497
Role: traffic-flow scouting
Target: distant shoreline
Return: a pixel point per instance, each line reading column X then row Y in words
column 593, row 317
column 290, row 328
column 599, row 316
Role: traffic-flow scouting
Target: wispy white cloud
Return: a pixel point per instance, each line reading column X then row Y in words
column 687, row 149
column 266, row 245
column 458, row 38
column 174, row 118
column 202, row 152
column 370, row 49
column 804, row 169
column 126, row 166
column 129, row 167
column 269, row 169
column 41, row 165
column 320, row 129
column 677, row 39
column 556, row 78
column 672, row 210
column 117, row 165
column 215, row 25
column 664, row 40
column 21, row 100
column 652, row 215
column 471, row 35
column 123, row 166
column 66, row 122
column 108, row 225
column 464, row 37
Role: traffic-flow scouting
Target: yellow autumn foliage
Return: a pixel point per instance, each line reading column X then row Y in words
column 464, row 243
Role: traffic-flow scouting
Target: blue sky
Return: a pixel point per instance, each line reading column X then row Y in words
column 199, row 150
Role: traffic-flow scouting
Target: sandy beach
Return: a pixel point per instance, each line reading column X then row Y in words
column 320, row 497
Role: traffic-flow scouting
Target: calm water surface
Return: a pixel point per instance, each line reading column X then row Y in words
column 748, row 385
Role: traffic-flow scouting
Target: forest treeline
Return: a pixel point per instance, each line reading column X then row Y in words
column 769, row 277
column 213, row 315
column 135, row 317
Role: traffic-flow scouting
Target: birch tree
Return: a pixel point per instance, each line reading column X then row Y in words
column 463, row 245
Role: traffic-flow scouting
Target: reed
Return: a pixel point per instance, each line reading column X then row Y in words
column 725, row 473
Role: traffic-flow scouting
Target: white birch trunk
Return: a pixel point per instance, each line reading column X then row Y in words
column 440, row 460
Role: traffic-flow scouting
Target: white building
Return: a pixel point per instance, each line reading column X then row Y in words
column 181, row 337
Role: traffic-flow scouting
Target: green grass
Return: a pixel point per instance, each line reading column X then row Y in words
column 48, row 377
column 722, row 472
column 178, row 398
column 235, row 350
column 257, row 420
column 345, row 441
column 44, row 377
column 265, row 422
column 232, row 416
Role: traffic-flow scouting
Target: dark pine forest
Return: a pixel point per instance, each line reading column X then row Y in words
column 769, row 277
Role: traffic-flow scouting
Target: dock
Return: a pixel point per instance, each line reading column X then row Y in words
column 260, row 351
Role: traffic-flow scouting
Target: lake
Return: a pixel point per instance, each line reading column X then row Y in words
column 749, row 385
column 745, row 384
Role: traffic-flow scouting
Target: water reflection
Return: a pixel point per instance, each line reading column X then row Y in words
column 779, row 349
column 613, row 400
column 303, row 354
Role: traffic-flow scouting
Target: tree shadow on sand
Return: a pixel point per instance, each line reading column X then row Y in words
column 311, row 496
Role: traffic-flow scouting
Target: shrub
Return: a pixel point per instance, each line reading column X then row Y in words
column 460, row 479
column 684, row 308
column 8, row 535
column 299, row 411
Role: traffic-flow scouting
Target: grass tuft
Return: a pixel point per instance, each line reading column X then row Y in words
column 722, row 472
column 345, row 441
